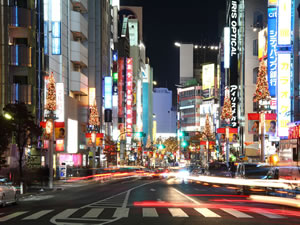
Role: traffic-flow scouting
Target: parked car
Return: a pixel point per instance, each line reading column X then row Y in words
column 8, row 193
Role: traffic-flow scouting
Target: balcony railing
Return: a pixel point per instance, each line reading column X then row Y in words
column 19, row 17
column 20, row 55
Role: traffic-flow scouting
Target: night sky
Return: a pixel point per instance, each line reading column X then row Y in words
column 168, row 21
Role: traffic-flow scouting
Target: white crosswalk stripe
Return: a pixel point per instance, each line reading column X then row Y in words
column 268, row 214
column 236, row 213
column 177, row 212
column 38, row 215
column 121, row 212
column 11, row 216
column 149, row 212
column 206, row 212
column 93, row 213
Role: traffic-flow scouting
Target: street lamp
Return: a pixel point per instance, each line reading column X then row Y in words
column 7, row 116
column 177, row 44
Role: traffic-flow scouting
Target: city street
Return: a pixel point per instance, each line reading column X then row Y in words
column 138, row 201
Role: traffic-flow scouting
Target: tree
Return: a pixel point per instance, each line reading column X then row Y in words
column 94, row 116
column 262, row 87
column 24, row 129
column 226, row 110
column 51, row 95
column 171, row 144
column 5, row 139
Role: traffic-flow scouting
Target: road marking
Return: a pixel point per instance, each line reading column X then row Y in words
column 149, row 212
column 38, row 215
column 121, row 212
column 65, row 214
column 206, row 212
column 177, row 212
column 11, row 216
column 268, row 214
column 93, row 213
column 236, row 213
column 184, row 195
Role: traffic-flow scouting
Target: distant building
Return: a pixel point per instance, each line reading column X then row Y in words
column 165, row 115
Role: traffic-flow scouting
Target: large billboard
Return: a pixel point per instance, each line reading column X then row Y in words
column 272, row 50
column 284, row 22
column 56, row 27
column 233, row 22
column 284, row 93
column 60, row 102
column 208, row 76
column 108, row 92
column 129, row 97
column 262, row 44
column 120, row 88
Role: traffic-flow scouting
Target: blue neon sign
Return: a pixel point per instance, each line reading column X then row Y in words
column 107, row 92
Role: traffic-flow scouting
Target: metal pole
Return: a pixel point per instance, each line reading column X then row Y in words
column 262, row 138
column 227, row 146
column 51, row 150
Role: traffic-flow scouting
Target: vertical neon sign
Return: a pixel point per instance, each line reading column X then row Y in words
column 129, row 97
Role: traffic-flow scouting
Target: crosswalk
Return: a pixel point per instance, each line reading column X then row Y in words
column 93, row 213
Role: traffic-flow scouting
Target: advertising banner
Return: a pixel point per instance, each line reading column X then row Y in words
column 270, row 124
column 60, row 102
column 284, row 22
column 208, row 80
column 272, row 3
column 129, row 97
column 108, row 92
column 262, row 44
column 120, row 87
column 284, row 93
column 233, row 138
column 272, row 50
column 233, row 22
column 99, row 139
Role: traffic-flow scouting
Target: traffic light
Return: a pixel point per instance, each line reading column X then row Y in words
column 115, row 77
column 183, row 134
column 140, row 134
column 184, row 144
column 161, row 146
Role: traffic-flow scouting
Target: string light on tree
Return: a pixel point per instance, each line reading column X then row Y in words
column 262, row 87
column 226, row 110
column 51, row 94
column 94, row 116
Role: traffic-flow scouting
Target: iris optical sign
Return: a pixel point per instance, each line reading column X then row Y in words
column 233, row 25
column 284, row 22
column 129, row 96
column 56, row 27
column 284, row 93
column 107, row 92
column 272, row 50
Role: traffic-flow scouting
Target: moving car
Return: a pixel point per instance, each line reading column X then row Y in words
column 8, row 193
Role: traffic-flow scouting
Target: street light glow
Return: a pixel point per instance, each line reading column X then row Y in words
column 7, row 116
column 177, row 44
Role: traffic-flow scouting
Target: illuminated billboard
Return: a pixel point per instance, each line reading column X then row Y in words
column 272, row 3
column 272, row 51
column 129, row 97
column 120, row 87
column 133, row 32
column 56, row 26
column 226, row 47
column 72, row 136
column 92, row 96
column 60, row 102
column 262, row 44
column 208, row 76
column 107, row 92
column 284, row 22
column 284, row 93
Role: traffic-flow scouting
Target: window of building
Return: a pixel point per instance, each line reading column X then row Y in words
column 255, row 72
column 255, row 47
column 258, row 19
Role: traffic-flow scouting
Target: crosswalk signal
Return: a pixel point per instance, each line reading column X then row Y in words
column 184, row 144
column 140, row 134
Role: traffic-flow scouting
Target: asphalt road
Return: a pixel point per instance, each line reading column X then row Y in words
column 137, row 201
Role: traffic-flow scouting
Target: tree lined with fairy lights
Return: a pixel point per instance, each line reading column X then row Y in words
column 262, row 87
column 207, row 129
column 51, row 95
column 226, row 110
column 94, row 116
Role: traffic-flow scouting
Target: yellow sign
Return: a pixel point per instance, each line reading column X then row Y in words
column 208, row 76
column 284, row 22
column 262, row 44
column 272, row 3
